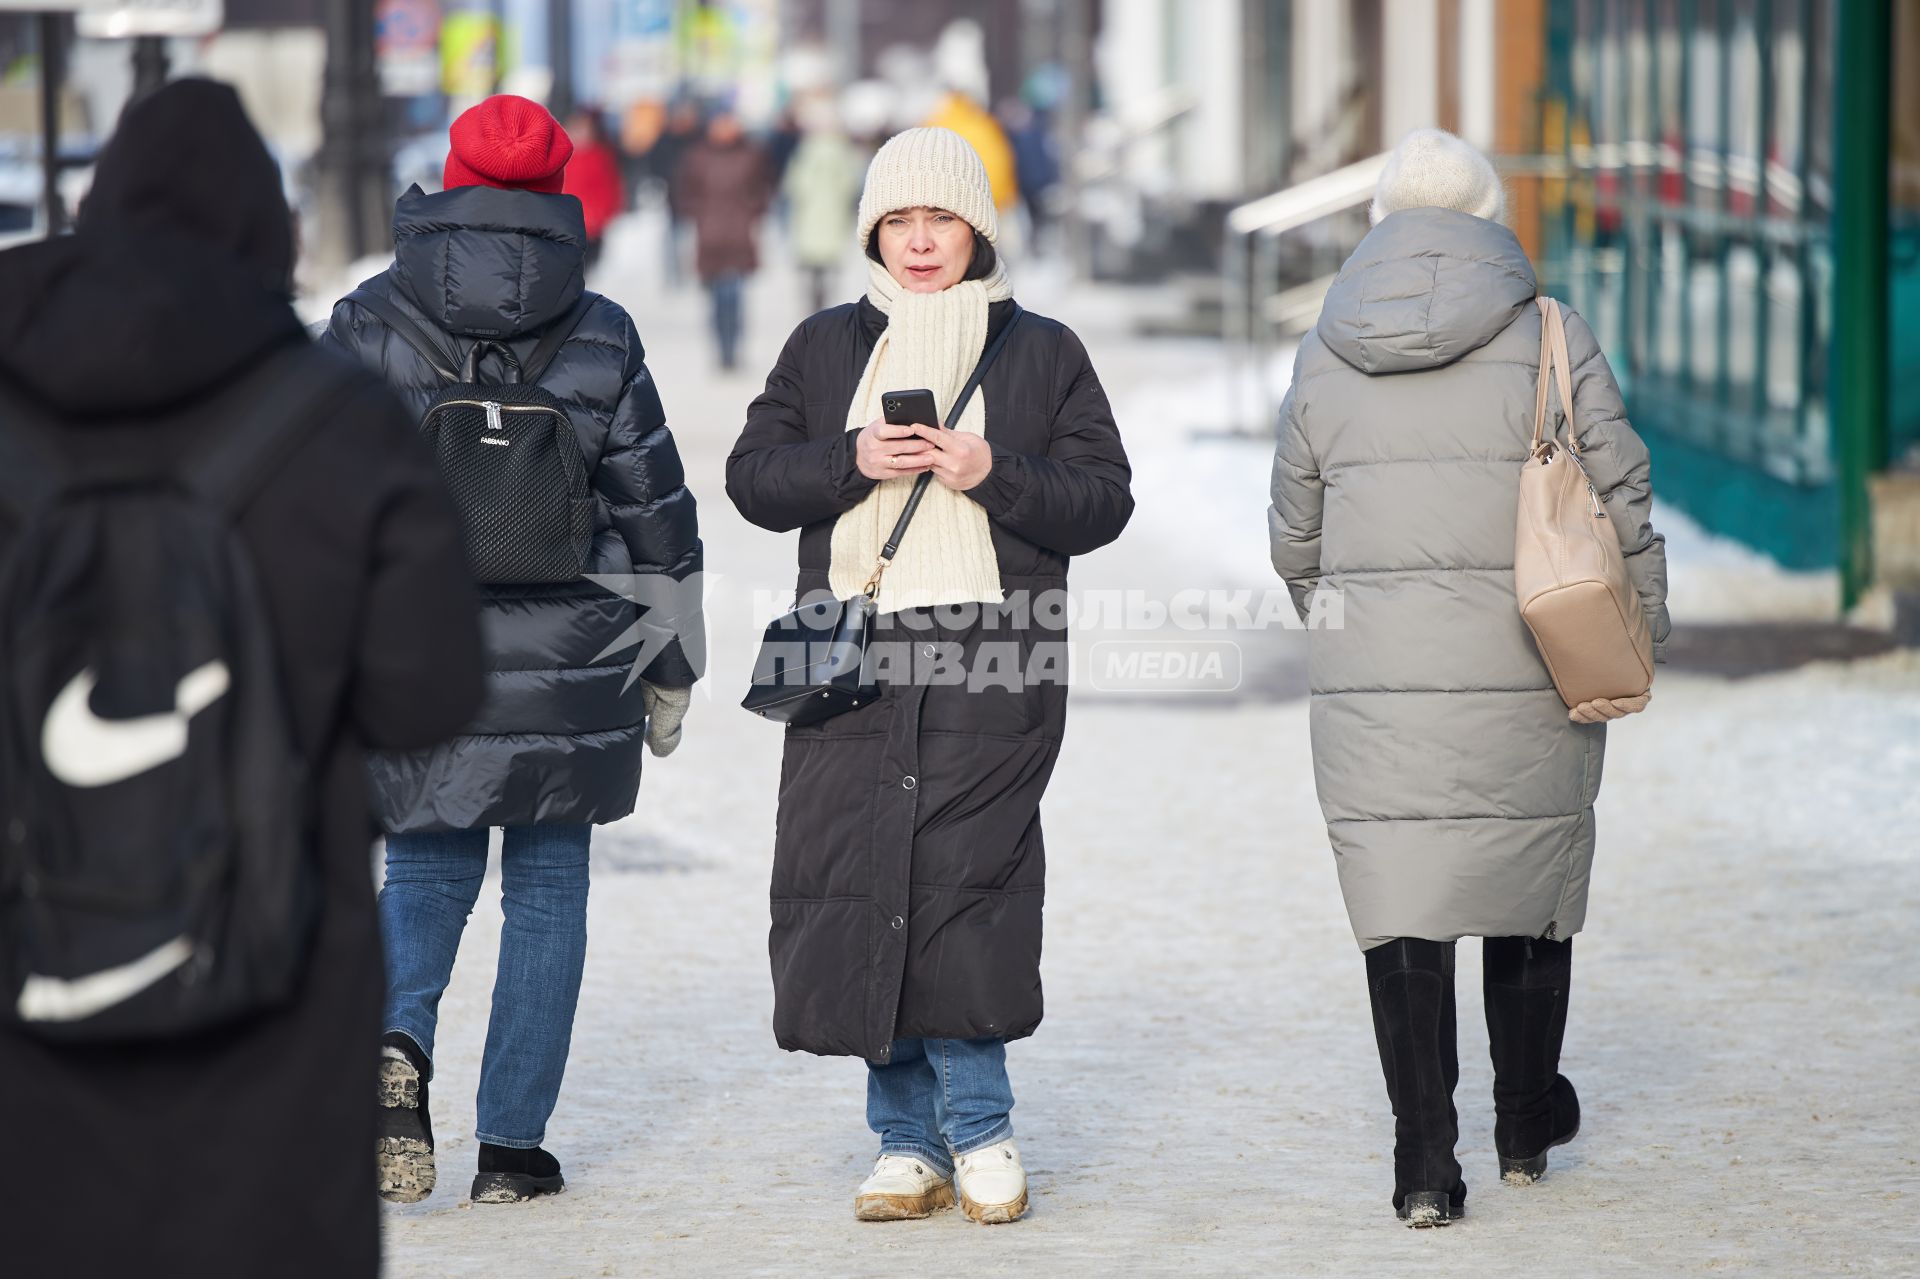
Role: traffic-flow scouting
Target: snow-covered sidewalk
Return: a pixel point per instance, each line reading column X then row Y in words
column 1204, row 1098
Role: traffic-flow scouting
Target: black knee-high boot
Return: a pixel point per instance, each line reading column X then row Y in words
column 1411, row 981
column 1535, row 1108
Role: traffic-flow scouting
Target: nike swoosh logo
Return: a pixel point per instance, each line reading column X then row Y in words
column 83, row 750
column 45, row 998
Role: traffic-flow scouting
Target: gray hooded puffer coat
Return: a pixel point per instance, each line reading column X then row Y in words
column 1458, row 796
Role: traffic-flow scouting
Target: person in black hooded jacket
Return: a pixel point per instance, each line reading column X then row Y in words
column 498, row 257
column 243, row 1150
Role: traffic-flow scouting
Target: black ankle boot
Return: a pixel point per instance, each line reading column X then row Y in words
column 403, row 1151
column 1535, row 1107
column 509, row 1174
column 1411, row 981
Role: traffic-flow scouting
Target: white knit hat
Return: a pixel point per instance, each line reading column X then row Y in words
column 1431, row 168
column 934, row 168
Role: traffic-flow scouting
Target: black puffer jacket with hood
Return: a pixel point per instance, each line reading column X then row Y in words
column 243, row 1150
column 560, row 736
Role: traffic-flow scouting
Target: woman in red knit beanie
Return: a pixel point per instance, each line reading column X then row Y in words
column 484, row 271
column 511, row 143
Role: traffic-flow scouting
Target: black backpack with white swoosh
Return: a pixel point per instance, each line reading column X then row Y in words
column 157, row 869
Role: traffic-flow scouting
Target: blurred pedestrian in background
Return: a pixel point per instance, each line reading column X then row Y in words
column 593, row 175
column 966, row 116
column 783, row 139
column 641, row 125
column 1036, row 160
column 822, row 188
column 664, row 158
column 484, row 273
column 909, row 868
column 725, row 188
column 1457, row 787
column 155, row 341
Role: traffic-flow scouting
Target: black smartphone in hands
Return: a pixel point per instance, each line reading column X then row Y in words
column 909, row 408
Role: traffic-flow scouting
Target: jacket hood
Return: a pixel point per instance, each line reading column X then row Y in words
column 115, row 325
column 483, row 262
column 185, row 161
column 177, row 277
column 1424, row 288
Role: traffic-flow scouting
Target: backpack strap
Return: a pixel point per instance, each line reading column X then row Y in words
column 456, row 370
column 271, row 411
column 412, row 334
column 555, row 337
column 30, row 475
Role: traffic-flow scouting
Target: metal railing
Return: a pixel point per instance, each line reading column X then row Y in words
column 1700, row 227
column 1250, row 253
column 1152, row 116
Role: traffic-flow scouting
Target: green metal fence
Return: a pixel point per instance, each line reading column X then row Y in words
column 1719, row 227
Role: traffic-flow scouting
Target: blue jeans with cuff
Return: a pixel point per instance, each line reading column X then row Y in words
column 937, row 1099
column 432, row 883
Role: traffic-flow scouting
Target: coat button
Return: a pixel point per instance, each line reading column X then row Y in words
column 898, row 923
column 928, row 651
column 909, row 782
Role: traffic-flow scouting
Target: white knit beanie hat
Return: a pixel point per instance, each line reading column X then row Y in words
column 1432, row 168
column 934, row 168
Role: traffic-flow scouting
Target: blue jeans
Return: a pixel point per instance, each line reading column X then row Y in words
column 726, row 292
column 432, row 883
column 939, row 1098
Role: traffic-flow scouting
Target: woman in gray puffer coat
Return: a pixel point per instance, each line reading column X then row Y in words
column 1457, row 787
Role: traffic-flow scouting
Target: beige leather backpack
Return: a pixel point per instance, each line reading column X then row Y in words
column 1568, row 573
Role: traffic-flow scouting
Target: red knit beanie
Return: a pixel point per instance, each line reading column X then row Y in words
column 508, row 142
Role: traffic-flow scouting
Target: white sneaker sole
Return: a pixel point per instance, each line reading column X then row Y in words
column 878, row 1207
column 994, row 1214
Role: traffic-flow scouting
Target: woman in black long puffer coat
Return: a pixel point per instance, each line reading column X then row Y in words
column 908, row 864
column 556, row 750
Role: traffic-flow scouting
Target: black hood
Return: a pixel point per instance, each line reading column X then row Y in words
column 185, row 161
column 176, row 278
column 483, row 262
column 98, row 327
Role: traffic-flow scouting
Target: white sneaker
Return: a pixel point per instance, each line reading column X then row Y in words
column 993, row 1185
column 902, row 1187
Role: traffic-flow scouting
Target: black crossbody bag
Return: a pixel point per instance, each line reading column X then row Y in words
column 813, row 660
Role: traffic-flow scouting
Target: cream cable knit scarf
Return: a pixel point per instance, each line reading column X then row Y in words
column 932, row 340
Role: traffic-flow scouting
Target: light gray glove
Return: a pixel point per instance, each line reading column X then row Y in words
column 1602, row 709
column 666, row 708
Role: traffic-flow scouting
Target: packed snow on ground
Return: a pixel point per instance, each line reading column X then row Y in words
column 1204, row 1097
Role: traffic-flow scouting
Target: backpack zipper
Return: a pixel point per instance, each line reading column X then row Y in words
column 494, row 408
column 495, row 411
